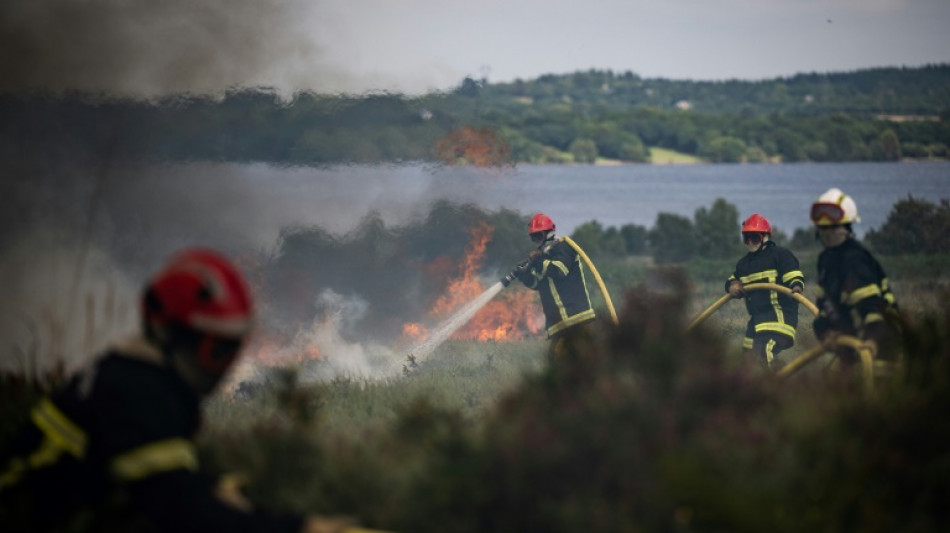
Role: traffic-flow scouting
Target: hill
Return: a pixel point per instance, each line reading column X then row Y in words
column 885, row 114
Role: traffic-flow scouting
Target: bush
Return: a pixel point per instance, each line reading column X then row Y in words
column 716, row 230
column 914, row 226
column 671, row 239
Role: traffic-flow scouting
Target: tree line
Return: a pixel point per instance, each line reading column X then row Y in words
column 870, row 115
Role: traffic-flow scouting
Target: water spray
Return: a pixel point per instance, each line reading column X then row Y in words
column 445, row 330
column 449, row 326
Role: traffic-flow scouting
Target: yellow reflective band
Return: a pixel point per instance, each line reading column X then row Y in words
column 561, row 310
column 767, row 275
column 560, row 266
column 890, row 298
column 792, row 275
column 161, row 456
column 58, row 429
column 769, row 356
column 747, row 343
column 873, row 317
column 859, row 294
column 13, row 474
column 884, row 285
column 568, row 322
column 777, row 327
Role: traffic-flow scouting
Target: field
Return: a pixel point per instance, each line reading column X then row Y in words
column 663, row 156
column 645, row 428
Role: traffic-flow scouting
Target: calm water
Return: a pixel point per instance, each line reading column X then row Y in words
column 151, row 211
column 337, row 198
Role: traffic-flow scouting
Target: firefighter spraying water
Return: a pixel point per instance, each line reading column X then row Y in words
column 556, row 270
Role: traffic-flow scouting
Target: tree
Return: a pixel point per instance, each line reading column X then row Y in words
column 888, row 146
column 583, row 150
column 724, row 149
column 671, row 238
column 914, row 226
column 804, row 239
column 599, row 242
column 634, row 238
column 716, row 231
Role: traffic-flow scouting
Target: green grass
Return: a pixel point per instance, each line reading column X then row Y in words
column 663, row 156
column 647, row 429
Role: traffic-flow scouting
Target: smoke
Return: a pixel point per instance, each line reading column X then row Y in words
column 146, row 48
column 319, row 351
column 338, row 256
column 52, row 313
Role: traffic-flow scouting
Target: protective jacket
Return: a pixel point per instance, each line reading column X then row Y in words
column 853, row 297
column 557, row 273
column 121, row 431
column 770, row 311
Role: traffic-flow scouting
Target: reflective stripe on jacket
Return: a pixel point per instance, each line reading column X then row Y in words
column 770, row 310
column 853, row 293
column 124, row 426
column 558, row 276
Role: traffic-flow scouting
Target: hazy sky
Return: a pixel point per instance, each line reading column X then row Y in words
column 412, row 46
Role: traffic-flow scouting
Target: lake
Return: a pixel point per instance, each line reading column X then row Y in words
column 156, row 209
column 336, row 198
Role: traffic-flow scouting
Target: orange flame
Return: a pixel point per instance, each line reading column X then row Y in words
column 477, row 146
column 513, row 315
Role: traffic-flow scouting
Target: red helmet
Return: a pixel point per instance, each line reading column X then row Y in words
column 540, row 222
column 756, row 224
column 201, row 299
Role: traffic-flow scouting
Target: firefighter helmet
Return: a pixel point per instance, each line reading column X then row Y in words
column 200, row 304
column 756, row 224
column 834, row 208
column 540, row 222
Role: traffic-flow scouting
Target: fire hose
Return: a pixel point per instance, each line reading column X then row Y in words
column 593, row 269
column 752, row 287
column 864, row 350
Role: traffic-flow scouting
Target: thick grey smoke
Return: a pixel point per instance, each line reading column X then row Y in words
column 149, row 48
column 79, row 236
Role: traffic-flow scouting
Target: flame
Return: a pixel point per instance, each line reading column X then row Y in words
column 477, row 146
column 414, row 331
column 513, row 315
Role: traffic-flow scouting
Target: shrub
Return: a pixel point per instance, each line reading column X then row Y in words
column 914, row 226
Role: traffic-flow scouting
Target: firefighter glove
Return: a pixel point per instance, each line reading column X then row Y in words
column 736, row 290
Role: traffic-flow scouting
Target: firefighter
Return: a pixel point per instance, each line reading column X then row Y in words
column 854, row 297
column 118, row 437
column 556, row 271
column 773, row 316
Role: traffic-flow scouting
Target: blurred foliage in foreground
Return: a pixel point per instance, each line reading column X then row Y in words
column 645, row 429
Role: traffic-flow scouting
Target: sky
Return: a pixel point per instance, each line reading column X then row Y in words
column 147, row 48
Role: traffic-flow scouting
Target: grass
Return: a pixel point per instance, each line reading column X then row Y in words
column 645, row 429
column 664, row 156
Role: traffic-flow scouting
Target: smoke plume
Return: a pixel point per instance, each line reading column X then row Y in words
column 145, row 48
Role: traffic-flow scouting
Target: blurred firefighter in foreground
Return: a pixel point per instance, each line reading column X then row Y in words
column 556, row 271
column 854, row 297
column 118, row 437
column 773, row 316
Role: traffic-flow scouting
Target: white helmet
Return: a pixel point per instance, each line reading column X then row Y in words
column 834, row 208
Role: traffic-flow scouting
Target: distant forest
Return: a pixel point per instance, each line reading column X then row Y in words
column 883, row 114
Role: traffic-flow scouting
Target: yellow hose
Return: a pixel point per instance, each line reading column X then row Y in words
column 593, row 269
column 753, row 287
column 865, row 352
column 862, row 348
